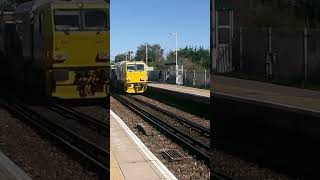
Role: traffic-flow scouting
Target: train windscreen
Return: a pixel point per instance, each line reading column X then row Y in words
column 135, row 67
column 95, row 19
column 67, row 20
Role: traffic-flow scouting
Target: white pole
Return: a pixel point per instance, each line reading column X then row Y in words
column 146, row 54
column 176, row 58
column 185, row 77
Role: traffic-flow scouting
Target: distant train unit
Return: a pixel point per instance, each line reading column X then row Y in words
column 59, row 48
column 130, row 77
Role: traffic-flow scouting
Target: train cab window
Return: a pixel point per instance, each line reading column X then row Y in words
column 140, row 67
column 95, row 19
column 135, row 67
column 67, row 20
column 131, row 68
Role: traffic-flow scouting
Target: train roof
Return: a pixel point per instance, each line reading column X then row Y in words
column 134, row 62
column 32, row 5
column 24, row 7
column 128, row 62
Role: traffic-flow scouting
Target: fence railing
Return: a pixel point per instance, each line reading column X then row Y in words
column 193, row 78
column 284, row 54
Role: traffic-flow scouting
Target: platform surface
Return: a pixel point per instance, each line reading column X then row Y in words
column 182, row 89
column 130, row 158
column 301, row 98
column 10, row 171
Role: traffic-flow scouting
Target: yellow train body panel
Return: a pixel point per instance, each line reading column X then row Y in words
column 68, row 45
column 131, row 77
column 134, row 83
column 81, row 48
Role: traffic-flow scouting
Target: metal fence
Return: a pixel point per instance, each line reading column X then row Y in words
column 193, row 78
column 285, row 54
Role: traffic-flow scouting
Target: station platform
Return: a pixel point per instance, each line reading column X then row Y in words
column 266, row 92
column 266, row 122
column 10, row 171
column 130, row 158
column 193, row 94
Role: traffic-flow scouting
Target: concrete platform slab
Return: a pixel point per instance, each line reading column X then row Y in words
column 182, row 89
column 267, row 92
column 10, row 171
column 130, row 158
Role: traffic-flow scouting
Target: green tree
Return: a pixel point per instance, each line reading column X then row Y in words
column 10, row 4
column 194, row 58
column 120, row 57
column 155, row 53
column 7, row 5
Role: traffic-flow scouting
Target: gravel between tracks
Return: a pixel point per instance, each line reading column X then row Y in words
column 240, row 169
column 35, row 155
column 180, row 126
column 193, row 118
column 96, row 112
column 187, row 169
column 222, row 162
column 73, row 125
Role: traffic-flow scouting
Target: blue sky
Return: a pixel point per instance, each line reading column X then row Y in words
column 135, row 22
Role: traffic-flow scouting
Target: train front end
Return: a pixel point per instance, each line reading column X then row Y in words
column 136, row 77
column 81, row 50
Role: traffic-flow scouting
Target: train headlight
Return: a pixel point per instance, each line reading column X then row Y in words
column 102, row 57
column 128, row 80
column 59, row 57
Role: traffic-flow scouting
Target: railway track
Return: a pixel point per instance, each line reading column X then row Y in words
column 93, row 123
column 87, row 150
column 205, row 131
column 200, row 150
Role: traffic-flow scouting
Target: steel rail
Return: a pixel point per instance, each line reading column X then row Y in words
column 82, row 117
column 88, row 150
column 182, row 133
column 176, row 117
column 173, row 132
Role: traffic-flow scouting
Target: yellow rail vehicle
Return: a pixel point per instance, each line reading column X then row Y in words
column 65, row 47
column 131, row 77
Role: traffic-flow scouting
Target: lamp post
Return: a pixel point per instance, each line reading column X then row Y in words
column 146, row 54
column 176, row 34
column 129, row 52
